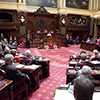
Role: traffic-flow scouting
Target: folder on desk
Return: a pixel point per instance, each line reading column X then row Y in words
column 33, row 66
column 95, row 62
column 20, row 66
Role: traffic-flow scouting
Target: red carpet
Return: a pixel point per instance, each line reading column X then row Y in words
column 58, row 64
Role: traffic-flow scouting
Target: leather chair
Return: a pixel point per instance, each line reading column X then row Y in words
column 16, row 88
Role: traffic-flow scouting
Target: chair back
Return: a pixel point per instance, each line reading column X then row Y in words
column 25, row 61
column 1, row 56
column 86, row 63
column 2, row 74
column 96, row 58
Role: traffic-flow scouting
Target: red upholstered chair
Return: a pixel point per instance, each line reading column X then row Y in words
column 22, row 88
column 96, row 58
column 85, row 63
column 16, row 88
column 25, row 61
column 40, row 74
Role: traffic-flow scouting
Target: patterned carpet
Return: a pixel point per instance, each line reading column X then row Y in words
column 58, row 64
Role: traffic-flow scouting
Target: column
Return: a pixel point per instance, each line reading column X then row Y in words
column 90, row 5
column 60, row 3
column 95, row 30
column 94, row 2
column 19, row 1
column 24, row 1
column 64, row 3
column 97, row 5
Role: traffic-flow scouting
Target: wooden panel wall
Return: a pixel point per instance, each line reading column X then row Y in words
column 41, row 20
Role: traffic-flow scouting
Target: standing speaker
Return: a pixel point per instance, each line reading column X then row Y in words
column 91, row 27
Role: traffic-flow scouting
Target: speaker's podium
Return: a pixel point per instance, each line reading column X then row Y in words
column 50, row 42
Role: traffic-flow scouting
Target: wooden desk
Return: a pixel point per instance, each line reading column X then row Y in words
column 68, row 94
column 45, row 67
column 74, row 63
column 4, row 89
column 32, row 71
column 71, row 74
column 88, row 46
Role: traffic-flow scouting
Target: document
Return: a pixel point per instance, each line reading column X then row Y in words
column 66, row 95
column 20, row 66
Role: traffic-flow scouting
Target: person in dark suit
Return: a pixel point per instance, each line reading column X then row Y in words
column 12, row 72
column 71, row 40
column 77, row 40
column 1, row 50
column 67, row 40
column 28, row 55
column 1, row 37
column 15, row 42
column 28, row 40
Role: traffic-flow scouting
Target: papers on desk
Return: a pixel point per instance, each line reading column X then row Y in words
column 33, row 66
column 96, row 71
column 46, row 59
column 95, row 62
column 65, row 95
column 96, row 96
column 20, row 66
column 2, row 61
column 73, row 62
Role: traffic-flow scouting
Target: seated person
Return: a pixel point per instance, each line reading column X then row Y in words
column 29, row 57
column 71, row 40
column 84, row 61
column 10, row 40
column 15, row 42
column 88, row 40
column 15, row 55
column 6, row 50
column 83, row 88
column 6, row 42
column 95, row 41
column 95, row 56
column 49, row 35
column 3, row 45
column 82, row 52
column 76, row 57
column 87, row 71
column 83, row 57
column 12, row 72
column 1, row 50
column 77, row 40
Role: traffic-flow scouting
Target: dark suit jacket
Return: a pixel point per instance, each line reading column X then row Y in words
column 31, row 60
column 14, row 73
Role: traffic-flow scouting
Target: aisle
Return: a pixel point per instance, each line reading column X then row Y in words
column 58, row 64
